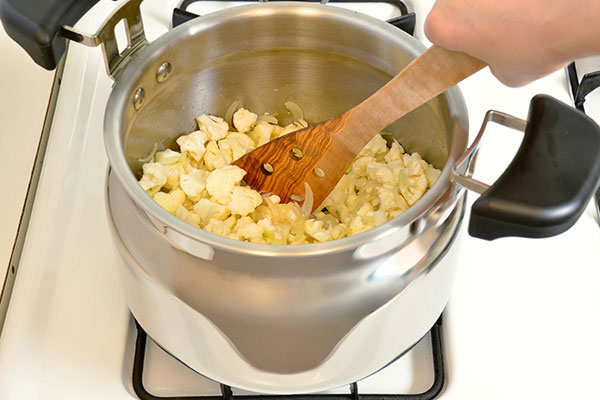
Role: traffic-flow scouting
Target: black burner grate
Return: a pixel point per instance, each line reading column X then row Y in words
column 227, row 393
column 579, row 90
column 406, row 21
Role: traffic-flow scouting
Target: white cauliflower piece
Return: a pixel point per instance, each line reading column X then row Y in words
column 193, row 183
column 261, row 133
column 170, row 201
column 193, row 144
column 381, row 173
column 395, row 153
column 167, row 157
column 217, row 227
column 431, row 173
column 190, row 217
column 214, row 127
column 244, row 120
column 231, row 148
column 248, row 229
column 154, row 178
column 208, row 210
column 221, row 181
column 377, row 145
column 214, row 158
column 244, row 200
column 412, row 182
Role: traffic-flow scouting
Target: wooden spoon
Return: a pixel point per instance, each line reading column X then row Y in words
column 320, row 155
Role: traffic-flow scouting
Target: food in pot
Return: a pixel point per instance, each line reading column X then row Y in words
column 198, row 184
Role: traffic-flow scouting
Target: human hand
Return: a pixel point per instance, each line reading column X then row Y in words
column 520, row 40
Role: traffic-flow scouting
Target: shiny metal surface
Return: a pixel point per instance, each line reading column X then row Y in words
column 114, row 59
column 281, row 314
column 468, row 159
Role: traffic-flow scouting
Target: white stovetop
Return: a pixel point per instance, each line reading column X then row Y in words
column 25, row 89
column 523, row 321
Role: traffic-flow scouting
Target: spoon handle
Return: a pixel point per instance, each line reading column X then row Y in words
column 427, row 76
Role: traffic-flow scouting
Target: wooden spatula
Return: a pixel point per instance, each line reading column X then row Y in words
column 320, row 155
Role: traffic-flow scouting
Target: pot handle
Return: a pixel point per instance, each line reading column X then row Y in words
column 549, row 182
column 36, row 25
column 41, row 27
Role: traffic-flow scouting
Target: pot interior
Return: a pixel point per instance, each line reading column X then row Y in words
column 321, row 57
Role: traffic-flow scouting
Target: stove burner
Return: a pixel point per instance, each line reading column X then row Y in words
column 579, row 90
column 227, row 393
column 406, row 21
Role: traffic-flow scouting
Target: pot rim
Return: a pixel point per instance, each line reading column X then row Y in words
column 124, row 86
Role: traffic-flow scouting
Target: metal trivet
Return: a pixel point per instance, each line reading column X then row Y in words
column 406, row 21
column 579, row 90
column 227, row 394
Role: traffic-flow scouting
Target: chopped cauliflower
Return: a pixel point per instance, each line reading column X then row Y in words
column 208, row 210
column 193, row 144
column 244, row 120
column 215, row 128
column 167, row 157
column 221, row 181
column 244, row 200
column 199, row 186
column 154, row 178
column 194, row 183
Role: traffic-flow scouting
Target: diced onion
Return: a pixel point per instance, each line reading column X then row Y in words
column 233, row 107
column 150, row 156
column 295, row 109
column 306, row 208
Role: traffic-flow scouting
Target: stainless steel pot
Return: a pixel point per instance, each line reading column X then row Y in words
column 299, row 318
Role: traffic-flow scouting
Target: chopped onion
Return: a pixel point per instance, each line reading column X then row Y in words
column 150, row 156
column 267, row 118
column 306, row 208
column 233, row 107
column 295, row 109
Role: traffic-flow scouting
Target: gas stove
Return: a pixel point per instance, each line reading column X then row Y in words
column 523, row 320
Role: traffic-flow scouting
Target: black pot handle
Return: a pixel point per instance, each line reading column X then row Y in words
column 549, row 182
column 36, row 25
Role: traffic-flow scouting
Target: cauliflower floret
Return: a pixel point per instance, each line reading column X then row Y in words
column 412, row 182
column 244, row 120
column 214, row 158
column 379, row 185
column 154, row 178
column 207, row 210
column 381, row 173
column 167, row 157
column 261, row 133
column 193, row 144
column 189, row 217
column 248, row 229
column 377, row 145
column 170, row 201
column 244, row 200
column 214, row 127
column 221, row 181
column 193, row 183
column 395, row 153
column 431, row 173
column 231, row 148
column 217, row 227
